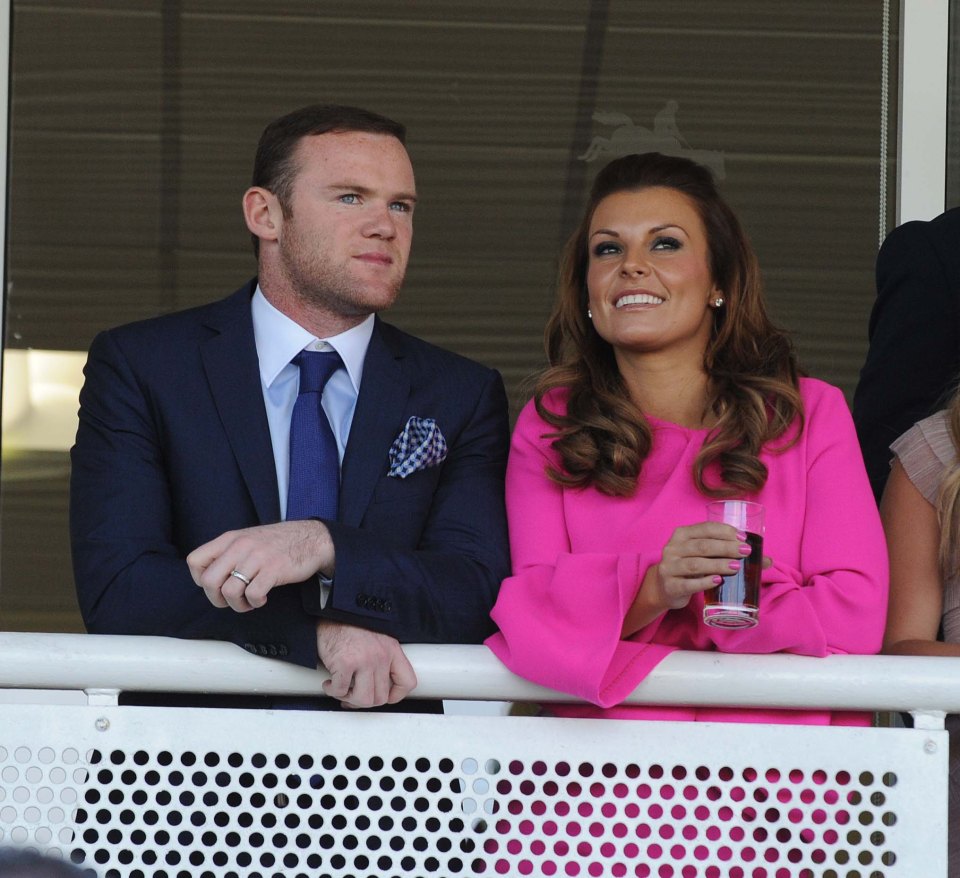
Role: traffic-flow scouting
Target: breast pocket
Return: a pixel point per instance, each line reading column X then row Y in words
column 400, row 508
column 411, row 489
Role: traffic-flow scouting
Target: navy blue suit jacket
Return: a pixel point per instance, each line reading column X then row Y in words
column 173, row 449
column 914, row 356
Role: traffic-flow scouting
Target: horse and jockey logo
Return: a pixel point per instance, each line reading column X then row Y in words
column 664, row 137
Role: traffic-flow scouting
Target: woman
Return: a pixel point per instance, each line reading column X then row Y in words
column 920, row 509
column 668, row 386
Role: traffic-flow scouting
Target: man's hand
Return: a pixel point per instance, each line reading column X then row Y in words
column 367, row 669
column 239, row 568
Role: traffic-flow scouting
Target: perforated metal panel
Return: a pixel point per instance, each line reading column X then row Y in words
column 194, row 793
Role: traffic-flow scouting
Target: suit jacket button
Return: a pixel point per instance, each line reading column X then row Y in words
column 363, row 601
column 261, row 649
column 249, row 647
column 282, row 649
column 272, row 649
column 387, row 607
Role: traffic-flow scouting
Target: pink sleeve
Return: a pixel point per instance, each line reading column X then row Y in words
column 561, row 613
column 835, row 600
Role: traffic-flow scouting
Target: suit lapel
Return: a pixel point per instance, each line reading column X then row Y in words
column 376, row 422
column 230, row 361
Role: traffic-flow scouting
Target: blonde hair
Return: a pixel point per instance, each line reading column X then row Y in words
column 948, row 500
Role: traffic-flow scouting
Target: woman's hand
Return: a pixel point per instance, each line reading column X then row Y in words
column 696, row 558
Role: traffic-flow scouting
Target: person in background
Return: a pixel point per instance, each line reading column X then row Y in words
column 282, row 469
column 24, row 863
column 667, row 387
column 920, row 510
column 914, row 353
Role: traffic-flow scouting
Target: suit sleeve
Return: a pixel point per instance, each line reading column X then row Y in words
column 914, row 352
column 129, row 565
column 440, row 590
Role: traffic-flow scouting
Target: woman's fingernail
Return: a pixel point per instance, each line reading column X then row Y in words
column 717, row 580
column 741, row 535
column 734, row 565
column 744, row 549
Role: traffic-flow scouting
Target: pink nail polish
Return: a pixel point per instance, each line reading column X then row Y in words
column 734, row 565
column 744, row 550
column 741, row 535
column 718, row 580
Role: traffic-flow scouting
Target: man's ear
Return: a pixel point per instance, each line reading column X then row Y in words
column 262, row 213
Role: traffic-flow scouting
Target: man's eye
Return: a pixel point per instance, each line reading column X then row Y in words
column 605, row 248
column 666, row 243
column 350, row 198
column 401, row 206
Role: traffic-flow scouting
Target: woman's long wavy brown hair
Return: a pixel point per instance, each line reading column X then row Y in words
column 602, row 438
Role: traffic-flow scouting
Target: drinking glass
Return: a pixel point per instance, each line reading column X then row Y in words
column 735, row 603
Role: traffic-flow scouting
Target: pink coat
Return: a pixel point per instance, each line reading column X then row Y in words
column 579, row 557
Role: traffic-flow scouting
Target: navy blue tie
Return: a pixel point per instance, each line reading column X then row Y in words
column 314, row 462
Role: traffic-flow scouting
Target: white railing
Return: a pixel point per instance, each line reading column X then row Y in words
column 163, row 792
column 159, row 664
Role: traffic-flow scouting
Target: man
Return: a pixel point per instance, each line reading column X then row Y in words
column 186, row 460
column 914, row 357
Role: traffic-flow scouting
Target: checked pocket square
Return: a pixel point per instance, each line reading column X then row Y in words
column 420, row 445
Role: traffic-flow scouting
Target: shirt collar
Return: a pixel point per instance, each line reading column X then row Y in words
column 279, row 339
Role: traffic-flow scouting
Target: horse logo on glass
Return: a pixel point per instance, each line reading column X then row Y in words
column 664, row 137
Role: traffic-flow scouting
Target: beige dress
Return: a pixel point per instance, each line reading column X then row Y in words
column 927, row 453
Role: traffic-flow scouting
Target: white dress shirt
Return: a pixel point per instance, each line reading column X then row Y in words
column 279, row 339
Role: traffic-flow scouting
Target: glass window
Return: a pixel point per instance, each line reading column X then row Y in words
column 132, row 136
